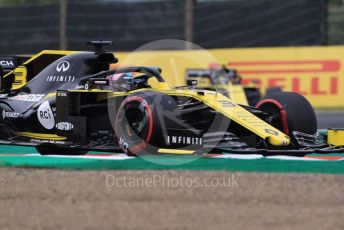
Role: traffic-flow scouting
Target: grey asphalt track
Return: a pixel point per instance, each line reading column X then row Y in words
column 327, row 119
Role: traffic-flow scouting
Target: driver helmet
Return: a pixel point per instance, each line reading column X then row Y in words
column 119, row 78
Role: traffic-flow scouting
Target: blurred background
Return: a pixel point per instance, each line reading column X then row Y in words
column 29, row 26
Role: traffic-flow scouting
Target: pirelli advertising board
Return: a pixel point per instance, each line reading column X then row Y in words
column 315, row 72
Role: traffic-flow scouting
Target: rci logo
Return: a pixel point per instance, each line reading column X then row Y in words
column 62, row 66
column 45, row 115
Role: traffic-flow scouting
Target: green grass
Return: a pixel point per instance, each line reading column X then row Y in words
column 167, row 162
column 261, row 165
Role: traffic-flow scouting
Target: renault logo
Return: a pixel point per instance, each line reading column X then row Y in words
column 62, row 66
column 272, row 132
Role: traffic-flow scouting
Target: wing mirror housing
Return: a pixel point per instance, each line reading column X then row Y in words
column 94, row 82
column 192, row 82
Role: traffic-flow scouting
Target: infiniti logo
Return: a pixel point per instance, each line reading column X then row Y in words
column 62, row 66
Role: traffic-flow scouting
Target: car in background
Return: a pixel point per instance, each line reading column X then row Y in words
column 228, row 82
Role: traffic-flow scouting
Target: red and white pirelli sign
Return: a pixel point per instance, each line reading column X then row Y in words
column 315, row 72
column 309, row 77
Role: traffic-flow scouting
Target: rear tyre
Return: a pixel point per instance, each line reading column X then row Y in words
column 290, row 112
column 53, row 150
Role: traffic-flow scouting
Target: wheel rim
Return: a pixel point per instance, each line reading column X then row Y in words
column 135, row 123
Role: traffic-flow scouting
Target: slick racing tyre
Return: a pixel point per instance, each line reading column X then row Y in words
column 54, row 150
column 141, row 122
column 289, row 112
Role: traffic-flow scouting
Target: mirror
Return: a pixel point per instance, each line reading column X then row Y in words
column 192, row 82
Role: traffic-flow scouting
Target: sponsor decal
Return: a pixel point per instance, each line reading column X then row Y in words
column 272, row 132
column 64, row 126
column 6, row 114
column 227, row 103
column 100, row 82
column 135, row 149
column 29, row 97
column 54, row 78
column 47, row 141
column 80, row 87
column 184, row 140
column 138, row 148
column 7, row 63
column 62, row 94
column 45, row 115
column 307, row 77
column 62, row 66
column 123, row 144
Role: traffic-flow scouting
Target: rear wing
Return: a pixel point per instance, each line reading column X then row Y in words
column 195, row 73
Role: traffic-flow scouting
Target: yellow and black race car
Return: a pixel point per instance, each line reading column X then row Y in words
column 67, row 102
column 229, row 83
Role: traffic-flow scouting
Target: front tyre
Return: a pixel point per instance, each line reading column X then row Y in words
column 289, row 112
column 140, row 122
column 252, row 95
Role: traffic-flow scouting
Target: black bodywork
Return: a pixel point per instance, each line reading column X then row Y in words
column 32, row 115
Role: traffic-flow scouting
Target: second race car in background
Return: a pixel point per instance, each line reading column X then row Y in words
column 228, row 82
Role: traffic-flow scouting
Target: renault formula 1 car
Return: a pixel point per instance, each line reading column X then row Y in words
column 67, row 102
column 228, row 82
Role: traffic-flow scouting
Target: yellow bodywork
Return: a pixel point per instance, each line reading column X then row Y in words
column 237, row 94
column 43, row 136
column 219, row 103
column 20, row 77
column 336, row 137
column 228, row 108
column 233, row 111
column 175, row 151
